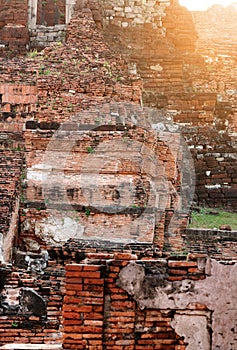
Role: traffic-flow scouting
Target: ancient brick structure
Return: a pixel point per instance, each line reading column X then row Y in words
column 32, row 24
column 96, row 188
column 13, row 26
column 197, row 93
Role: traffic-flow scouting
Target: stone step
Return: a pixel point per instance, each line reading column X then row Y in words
column 31, row 347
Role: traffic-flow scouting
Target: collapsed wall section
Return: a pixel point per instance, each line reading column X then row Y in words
column 32, row 24
column 154, row 42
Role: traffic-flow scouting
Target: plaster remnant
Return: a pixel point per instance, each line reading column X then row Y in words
column 157, row 68
column 37, row 265
column 39, row 172
column 216, row 186
column 194, row 329
column 56, row 230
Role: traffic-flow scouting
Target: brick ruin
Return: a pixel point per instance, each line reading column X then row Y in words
column 107, row 137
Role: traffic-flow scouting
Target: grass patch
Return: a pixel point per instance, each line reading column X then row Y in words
column 204, row 219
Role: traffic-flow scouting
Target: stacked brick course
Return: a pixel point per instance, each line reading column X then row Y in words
column 182, row 84
column 14, row 35
column 220, row 245
column 83, row 307
column 11, row 169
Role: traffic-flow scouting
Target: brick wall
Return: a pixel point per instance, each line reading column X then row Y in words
column 30, row 329
column 108, row 315
column 50, row 13
column 192, row 91
column 83, row 307
column 197, row 90
column 104, row 308
column 85, row 193
column 14, row 35
column 131, row 295
column 134, row 13
column 125, row 299
column 215, row 243
column 11, row 167
column 13, row 12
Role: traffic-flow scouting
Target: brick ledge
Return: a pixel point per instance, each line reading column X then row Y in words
column 31, row 347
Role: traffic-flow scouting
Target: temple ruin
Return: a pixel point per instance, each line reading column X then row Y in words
column 116, row 118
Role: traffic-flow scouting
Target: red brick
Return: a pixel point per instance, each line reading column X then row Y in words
column 180, row 264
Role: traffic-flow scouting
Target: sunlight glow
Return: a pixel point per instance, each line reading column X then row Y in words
column 202, row 5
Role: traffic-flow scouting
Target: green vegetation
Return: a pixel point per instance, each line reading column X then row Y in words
column 43, row 71
column 88, row 212
column 22, row 198
column 15, row 324
column 213, row 218
column 90, row 150
column 33, row 54
column 108, row 68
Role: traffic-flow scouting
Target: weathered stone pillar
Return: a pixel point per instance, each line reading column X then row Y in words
column 32, row 13
column 69, row 9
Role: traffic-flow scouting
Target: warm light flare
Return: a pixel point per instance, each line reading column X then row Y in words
column 202, row 5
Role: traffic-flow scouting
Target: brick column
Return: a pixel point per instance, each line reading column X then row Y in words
column 120, row 309
column 83, row 308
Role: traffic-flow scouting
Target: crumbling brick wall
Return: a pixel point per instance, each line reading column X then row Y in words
column 50, row 13
column 108, row 315
column 168, row 294
column 70, row 78
column 198, row 94
column 195, row 89
column 24, row 327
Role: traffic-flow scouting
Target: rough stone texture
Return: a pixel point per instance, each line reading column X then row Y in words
column 134, row 13
column 42, row 36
